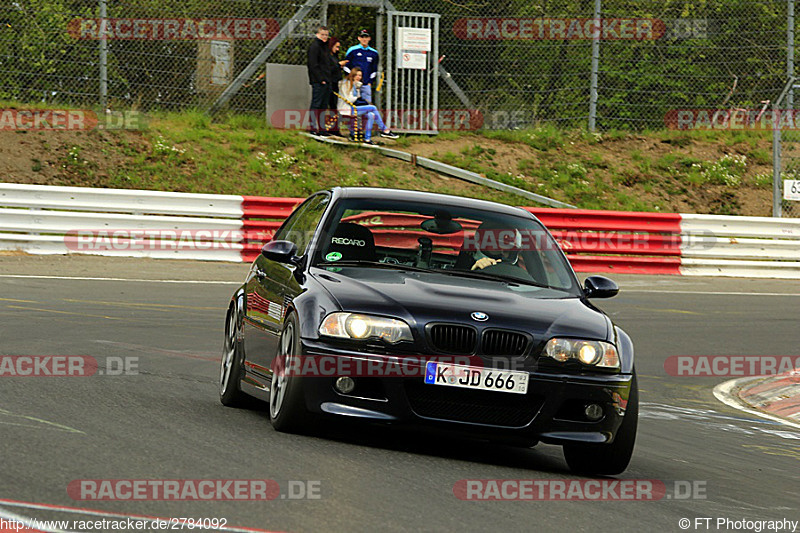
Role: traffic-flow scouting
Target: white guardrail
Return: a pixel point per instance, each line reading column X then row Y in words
column 753, row 247
column 41, row 219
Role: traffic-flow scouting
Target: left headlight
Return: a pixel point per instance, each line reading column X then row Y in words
column 360, row 327
column 597, row 354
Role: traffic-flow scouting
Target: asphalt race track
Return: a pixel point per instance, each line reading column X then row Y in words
column 166, row 422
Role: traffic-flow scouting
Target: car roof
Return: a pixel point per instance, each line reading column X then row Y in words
column 377, row 193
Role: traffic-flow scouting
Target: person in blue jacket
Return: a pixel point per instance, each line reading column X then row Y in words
column 366, row 58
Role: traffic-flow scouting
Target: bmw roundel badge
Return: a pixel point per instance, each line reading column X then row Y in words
column 480, row 317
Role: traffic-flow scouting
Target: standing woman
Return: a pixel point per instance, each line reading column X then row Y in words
column 335, row 67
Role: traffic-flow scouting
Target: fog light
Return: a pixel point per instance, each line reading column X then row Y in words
column 593, row 412
column 345, row 385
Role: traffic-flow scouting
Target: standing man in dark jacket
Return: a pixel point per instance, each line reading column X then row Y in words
column 318, row 78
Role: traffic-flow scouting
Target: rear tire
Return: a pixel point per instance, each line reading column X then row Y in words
column 287, row 411
column 608, row 459
column 230, row 372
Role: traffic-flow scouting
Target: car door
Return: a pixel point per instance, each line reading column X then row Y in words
column 302, row 234
column 266, row 289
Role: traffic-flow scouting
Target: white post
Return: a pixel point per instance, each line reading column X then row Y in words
column 595, row 68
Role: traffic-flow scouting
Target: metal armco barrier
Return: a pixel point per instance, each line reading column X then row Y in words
column 39, row 219
column 741, row 246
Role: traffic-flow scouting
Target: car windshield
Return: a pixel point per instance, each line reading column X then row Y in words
column 456, row 241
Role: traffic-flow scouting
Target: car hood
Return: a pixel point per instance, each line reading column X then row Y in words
column 422, row 297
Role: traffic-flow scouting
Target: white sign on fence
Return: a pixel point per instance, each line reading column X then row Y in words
column 413, row 45
column 791, row 190
column 414, row 39
column 413, row 60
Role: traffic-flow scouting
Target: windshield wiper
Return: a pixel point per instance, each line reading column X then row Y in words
column 494, row 277
column 464, row 273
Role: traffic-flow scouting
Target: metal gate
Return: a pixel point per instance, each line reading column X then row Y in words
column 412, row 66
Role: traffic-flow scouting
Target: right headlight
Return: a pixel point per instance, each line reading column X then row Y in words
column 597, row 354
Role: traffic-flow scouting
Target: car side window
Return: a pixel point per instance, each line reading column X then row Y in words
column 280, row 235
column 300, row 227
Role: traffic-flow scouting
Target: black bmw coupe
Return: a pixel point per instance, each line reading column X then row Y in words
column 421, row 309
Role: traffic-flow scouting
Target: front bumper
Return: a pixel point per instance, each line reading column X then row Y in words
column 552, row 411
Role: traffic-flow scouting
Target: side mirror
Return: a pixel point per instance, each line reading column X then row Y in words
column 281, row 252
column 600, row 287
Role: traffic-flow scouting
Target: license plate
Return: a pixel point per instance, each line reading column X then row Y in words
column 470, row 377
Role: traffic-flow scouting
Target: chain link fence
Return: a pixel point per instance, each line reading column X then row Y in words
column 787, row 170
column 518, row 62
column 653, row 57
column 159, row 53
column 790, row 208
column 785, row 154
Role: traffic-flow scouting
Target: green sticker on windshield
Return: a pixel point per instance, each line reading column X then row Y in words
column 333, row 256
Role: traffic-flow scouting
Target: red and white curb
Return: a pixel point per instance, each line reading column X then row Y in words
column 775, row 398
column 779, row 395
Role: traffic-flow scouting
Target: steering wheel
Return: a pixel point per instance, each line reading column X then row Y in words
column 509, row 270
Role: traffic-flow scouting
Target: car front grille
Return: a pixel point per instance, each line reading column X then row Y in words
column 476, row 406
column 452, row 338
column 498, row 342
column 458, row 339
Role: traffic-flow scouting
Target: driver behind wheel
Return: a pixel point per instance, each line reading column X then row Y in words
column 496, row 244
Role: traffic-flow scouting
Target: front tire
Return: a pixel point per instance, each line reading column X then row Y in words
column 608, row 459
column 230, row 372
column 287, row 411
